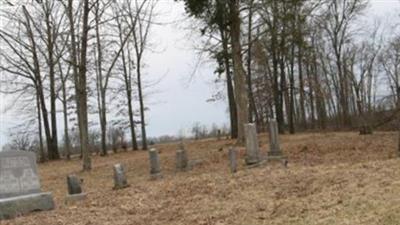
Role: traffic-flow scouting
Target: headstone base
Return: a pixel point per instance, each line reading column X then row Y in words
column 275, row 157
column 195, row 162
column 75, row 198
column 250, row 162
column 121, row 187
column 184, row 169
column 261, row 162
column 20, row 205
column 275, row 153
column 156, row 176
column 278, row 158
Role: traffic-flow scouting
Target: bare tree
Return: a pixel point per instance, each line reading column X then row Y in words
column 390, row 63
column 141, row 21
column 127, row 67
column 32, row 45
column 339, row 17
column 80, row 84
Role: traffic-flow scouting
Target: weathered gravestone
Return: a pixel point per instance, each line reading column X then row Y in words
column 20, row 186
column 232, row 159
column 155, row 168
column 252, row 149
column 120, row 180
column 275, row 150
column 182, row 161
column 75, row 192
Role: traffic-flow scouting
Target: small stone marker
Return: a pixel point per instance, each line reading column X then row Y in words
column 120, row 180
column 20, row 186
column 74, row 185
column 218, row 134
column 275, row 150
column 232, row 159
column 155, row 168
column 252, row 149
column 273, row 138
column 182, row 162
column 74, row 189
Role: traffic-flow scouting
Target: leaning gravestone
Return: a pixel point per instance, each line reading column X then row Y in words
column 20, row 186
column 252, row 149
column 120, row 180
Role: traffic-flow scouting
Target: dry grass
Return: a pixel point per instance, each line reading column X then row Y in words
column 332, row 178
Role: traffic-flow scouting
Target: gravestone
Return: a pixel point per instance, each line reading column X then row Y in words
column 20, row 191
column 232, row 159
column 120, row 180
column 182, row 161
column 275, row 150
column 155, row 168
column 218, row 135
column 75, row 192
column 252, row 149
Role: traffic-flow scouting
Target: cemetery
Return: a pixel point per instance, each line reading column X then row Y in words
column 328, row 179
column 199, row 112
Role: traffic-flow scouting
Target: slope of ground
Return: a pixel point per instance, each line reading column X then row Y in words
column 332, row 178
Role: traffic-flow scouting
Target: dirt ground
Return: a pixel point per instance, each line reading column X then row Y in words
column 332, row 178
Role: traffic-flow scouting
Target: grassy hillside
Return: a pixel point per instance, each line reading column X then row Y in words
column 332, row 178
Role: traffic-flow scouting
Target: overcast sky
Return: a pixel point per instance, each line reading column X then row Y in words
column 180, row 99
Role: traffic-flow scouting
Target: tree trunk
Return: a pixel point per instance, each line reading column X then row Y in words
column 239, row 73
column 229, row 86
column 131, row 121
column 103, row 124
column 303, row 119
column 100, row 86
column 41, row 149
column 291, row 86
column 67, row 142
column 53, row 149
column 82, row 94
column 38, row 78
column 284, row 97
column 75, row 67
column 319, row 98
column 342, row 90
column 311, row 96
column 252, row 105
column 141, row 102
column 128, row 88
column 398, row 119
column 277, row 92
